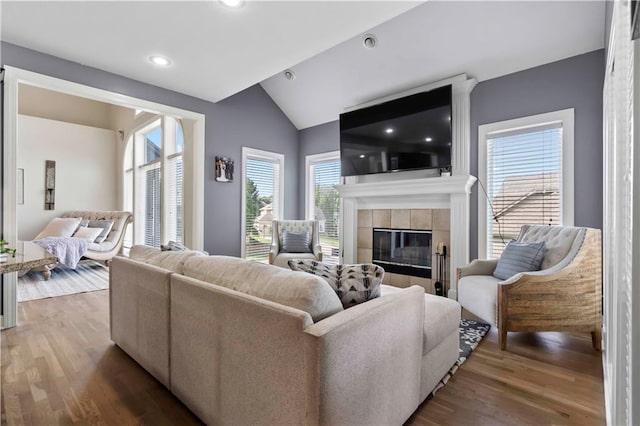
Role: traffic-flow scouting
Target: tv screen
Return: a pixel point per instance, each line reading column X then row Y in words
column 409, row 133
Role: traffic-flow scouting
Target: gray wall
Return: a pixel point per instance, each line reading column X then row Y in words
column 571, row 83
column 249, row 118
column 315, row 140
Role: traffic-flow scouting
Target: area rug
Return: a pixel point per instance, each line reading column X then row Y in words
column 471, row 333
column 88, row 276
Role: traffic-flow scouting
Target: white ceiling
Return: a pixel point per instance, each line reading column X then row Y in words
column 217, row 51
column 434, row 41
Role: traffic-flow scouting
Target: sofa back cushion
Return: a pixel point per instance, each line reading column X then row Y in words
column 170, row 260
column 294, row 289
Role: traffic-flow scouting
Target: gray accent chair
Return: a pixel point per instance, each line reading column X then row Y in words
column 279, row 258
column 564, row 295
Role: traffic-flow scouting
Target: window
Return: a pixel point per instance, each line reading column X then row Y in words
column 323, row 201
column 153, row 183
column 262, row 200
column 526, row 170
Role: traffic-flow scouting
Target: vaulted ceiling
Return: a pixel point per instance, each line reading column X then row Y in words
column 217, row 51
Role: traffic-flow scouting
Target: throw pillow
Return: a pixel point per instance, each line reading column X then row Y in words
column 519, row 257
column 106, row 226
column 87, row 233
column 59, row 227
column 296, row 242
column 173, row 246
column 354, row 284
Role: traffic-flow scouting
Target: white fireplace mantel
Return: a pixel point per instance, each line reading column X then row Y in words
column 436, row 192
column 406, row 190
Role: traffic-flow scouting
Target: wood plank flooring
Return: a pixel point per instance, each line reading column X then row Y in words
column 59, row 367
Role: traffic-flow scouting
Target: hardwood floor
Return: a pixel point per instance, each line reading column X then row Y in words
column 59, row 367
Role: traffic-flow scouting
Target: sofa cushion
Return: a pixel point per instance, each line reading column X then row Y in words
column 170, row 260
column 352, row 283
column 441, row 317
column 519, row 257
column 294, row 289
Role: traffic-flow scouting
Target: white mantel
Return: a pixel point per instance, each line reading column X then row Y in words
column 407, row 190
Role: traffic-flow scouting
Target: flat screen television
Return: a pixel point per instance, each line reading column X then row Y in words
column 409, row 133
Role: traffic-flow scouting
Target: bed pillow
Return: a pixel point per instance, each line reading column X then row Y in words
column 354, row 284
column 87, row 233
column 519, row 257
column 106, row 226
column 296, row 242
column 60, row 227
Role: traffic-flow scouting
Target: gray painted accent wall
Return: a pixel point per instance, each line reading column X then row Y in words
column 575, row 82
column 571, row 83
column 315, row 140
column 249, row 118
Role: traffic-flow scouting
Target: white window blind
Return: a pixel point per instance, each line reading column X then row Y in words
column 324, row 205
column 153, row 178
column 524, row 181
column 262, row 200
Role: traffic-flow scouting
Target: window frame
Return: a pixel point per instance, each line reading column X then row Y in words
column 259, row 154
column 566, row 118
column 309, row 187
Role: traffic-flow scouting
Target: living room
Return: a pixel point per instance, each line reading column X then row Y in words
column 270, row 117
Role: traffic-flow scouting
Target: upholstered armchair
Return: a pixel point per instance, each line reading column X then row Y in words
column 564, row 295
column 281, row 252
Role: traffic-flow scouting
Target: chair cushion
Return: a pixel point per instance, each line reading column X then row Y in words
column 295, row 289
column 353, row 284
column 296, row 242
column 478, row 294
column 558, row 241
column 87, row 233
column 519, row 257
column 106, row 226
column 60, row 227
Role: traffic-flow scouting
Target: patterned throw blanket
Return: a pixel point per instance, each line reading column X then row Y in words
column 68, row 250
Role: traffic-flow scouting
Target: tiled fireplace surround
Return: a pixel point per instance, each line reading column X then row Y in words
column 416, row 199
column 435, row 220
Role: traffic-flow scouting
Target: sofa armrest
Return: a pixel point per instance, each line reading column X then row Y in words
column 478, row 267
column 379, row 345
column 139, row 313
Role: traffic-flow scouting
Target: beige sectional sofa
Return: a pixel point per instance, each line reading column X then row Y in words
column 241, row 342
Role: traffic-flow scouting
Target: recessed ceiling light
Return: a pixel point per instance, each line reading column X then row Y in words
column 362, row 155
column 161, row 61
column 232, row 3
column 369, row 41
column 388, row 130
column 289, row 75
column 428, row 139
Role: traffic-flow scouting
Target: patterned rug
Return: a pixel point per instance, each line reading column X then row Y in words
column 471, row 333
column 88, row 276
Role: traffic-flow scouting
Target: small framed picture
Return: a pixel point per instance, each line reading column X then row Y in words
column 224, row 169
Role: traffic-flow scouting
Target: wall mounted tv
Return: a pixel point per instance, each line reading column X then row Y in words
column 409, row 133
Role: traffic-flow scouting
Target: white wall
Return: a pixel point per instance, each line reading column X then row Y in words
column 86, row 170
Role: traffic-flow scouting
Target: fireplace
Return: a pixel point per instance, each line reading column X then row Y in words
column 403, row 251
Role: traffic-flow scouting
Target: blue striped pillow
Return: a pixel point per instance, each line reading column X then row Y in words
column 296, row 242
column 519, row 257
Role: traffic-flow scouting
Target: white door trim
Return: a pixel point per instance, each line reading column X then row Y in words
column 14, row 77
